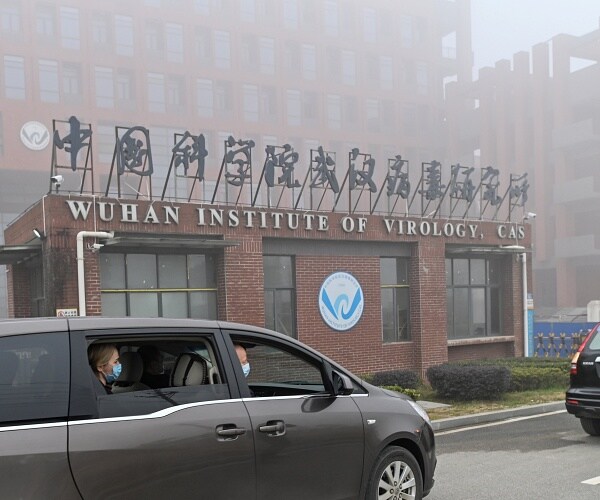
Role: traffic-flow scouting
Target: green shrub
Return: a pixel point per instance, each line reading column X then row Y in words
column 411, row 393
column 403, row 378
column 469, row 382
column 528, row 378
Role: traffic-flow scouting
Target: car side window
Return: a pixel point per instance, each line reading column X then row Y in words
column 161, row 373
column 34, row 378
column 281, row 371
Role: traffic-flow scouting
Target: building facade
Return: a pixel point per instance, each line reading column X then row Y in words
column 539, row 114
column 307, row 72
column 431, row 290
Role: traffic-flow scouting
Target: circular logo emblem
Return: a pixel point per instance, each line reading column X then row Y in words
column 341, row 301
column 35, row 136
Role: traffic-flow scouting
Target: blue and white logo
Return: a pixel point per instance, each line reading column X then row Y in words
column 341, row 301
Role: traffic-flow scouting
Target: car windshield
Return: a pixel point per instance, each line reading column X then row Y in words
column 594, row 343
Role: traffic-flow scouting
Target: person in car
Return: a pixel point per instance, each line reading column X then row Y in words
column 104, row 362
column 242, row 356
column 154, row 373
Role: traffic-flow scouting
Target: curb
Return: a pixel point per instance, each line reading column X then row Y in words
column 496, row 416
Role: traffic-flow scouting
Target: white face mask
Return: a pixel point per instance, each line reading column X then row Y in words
column 246, row 369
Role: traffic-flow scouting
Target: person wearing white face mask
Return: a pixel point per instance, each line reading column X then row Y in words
column 104, row 362
column 242, row 356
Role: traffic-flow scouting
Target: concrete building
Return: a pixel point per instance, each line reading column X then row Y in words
column 338, row 73
column 539, row 114
column 376, row 287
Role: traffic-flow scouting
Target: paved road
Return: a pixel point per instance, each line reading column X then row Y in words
column 528, row 458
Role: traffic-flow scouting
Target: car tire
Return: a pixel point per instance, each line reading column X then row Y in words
column 591, row 426
column 397, row 468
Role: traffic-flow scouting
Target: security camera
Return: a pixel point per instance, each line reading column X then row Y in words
column 96, row 246
column 57, row 180
column 529, row 215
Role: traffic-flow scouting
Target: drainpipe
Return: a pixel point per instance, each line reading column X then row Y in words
column 80, row 267
column 525, row 315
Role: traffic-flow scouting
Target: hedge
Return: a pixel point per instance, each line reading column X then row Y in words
column 469, row 382
column 403, row 378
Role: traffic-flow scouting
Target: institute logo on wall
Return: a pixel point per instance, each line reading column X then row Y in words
column 341, row 301
column 35, row 136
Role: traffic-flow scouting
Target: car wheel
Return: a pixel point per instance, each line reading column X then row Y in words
column 591, row 426
column 395, row 476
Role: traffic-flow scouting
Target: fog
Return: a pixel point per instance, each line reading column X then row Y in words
column 369, row 81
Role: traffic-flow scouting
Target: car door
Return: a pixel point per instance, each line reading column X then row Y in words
column 309, row 443
column 185, row 440
column 34, row 389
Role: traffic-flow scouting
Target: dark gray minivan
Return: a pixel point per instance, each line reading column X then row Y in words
column 190, row 424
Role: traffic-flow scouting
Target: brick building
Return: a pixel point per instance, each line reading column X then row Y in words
column 433, row 289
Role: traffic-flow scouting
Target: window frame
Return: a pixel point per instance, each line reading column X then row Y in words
column 397, row 289
column 492, row 289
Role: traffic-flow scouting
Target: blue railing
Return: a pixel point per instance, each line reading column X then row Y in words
column 557, row 340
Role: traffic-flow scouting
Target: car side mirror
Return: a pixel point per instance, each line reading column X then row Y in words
column 342, row 385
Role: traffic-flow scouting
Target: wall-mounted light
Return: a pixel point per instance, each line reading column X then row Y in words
column 39, row 234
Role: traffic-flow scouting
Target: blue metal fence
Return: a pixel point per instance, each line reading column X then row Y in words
column 557, row 340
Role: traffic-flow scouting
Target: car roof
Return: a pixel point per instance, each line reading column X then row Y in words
column 20, row 326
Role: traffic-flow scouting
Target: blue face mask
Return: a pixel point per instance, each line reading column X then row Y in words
column 116, row 371
column 246, row 369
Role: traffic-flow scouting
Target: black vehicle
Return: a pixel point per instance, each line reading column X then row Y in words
column 583, row 396
column 295, row 426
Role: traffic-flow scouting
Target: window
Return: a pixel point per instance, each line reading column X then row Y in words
column 268, row 102
column 45, row 22
column 348, row 67
column 34, row 384
column 160, row 372
column 294, row 107
column 280, row 294
column 267, row 56
column 151, row 285
column 373, row 115
column 370, row 25
column 331, row 18
column 174, row 42
column 395, row 299
column 309, row 62
column 69, row 27
column 105, row 90
column 223, row 98
column 250, row 98
column 205, row 96
column 422, row 78
column 10, row 16
column 473, row 293
column 14, row 77
column 156, row 93
column 290, row 13
column 203, row 44
column 222, row 49
column 248, row 10
column 154, row 36
column 277, row 372
column 249, row 52
column 125, row 87
column 386, row 74
column 291, row 58
column 124, row 35
column 101, row 30
column 334, row 111
column 176, row 93
column 71, row 81
column 48, row 71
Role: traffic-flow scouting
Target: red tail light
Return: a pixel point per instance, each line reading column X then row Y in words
column 573, row 370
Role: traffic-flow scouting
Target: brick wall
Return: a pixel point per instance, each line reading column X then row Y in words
column 240, row 280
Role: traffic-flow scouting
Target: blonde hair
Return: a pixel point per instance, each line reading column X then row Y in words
column 100, row 354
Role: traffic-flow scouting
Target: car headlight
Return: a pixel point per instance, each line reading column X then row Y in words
column 419, row 410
